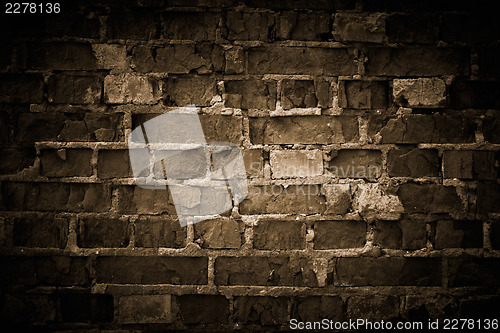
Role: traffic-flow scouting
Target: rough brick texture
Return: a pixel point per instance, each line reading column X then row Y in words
column 370, row 136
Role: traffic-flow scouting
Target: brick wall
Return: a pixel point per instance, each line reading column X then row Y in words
column 370, row 132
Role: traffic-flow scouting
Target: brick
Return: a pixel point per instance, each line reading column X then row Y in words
column 60, row 56
column 316, row 308
column 413, row 162
column 74, row 26
column 234, row 60
column 488, row 196
column 300, row 60
column 66, row 162
column 152, row 231
column 305, row 94
column 303, row 26
column 84, row 307
column 356, row 94
column 182, row 164
column 62, row 271
column 135, row 199
column 254, row 162
column 254, row 94
column 495, row 235
column 355, row 163
column 387, row 234
column 388, row 271
column 74, row 89
column 201, row 25
column 338, row 198
column 219, row 234
column 113, row 164
column 374, row 201
column 415, row 129
column 33, row 127
column 458, row 234
column 19, row 159
column 18, row 270
column 142, row 24
column 373, row 307
column 469, row 271
column 491, row 129
column 189, row 91
column 422, row 61
column 179, row 59
column 21, row 88
column 128, row 88
column 111, row 56
column 151, row 270
column 465, row 94
column 144, row 309
column 488, row 64
column 264, row 271
column 204, row 309
column 250, row 25
column 261, row 310
column 41, row 231
column 468, row 164
column 103, row 232
column 429, row 198
column 4, row 127
column 416, row 28
column 414, row 234
column 421, row 92
column 275, row 199
column 279, row 235
column 480, row 308
column 296, row 163
column 473, row 28
column 339, row 234
column 29, row 308
column 290, row 130
column 359, row 27
column 56, row 197
column 301, row 4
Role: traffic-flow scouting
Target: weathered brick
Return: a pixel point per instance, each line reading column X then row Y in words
column 491, row 129
column 415, row 129
column 488, row 64
column 356, row 94
column 234, row 60
column 142, row 24
column 265, row 271
column 290, row 130
column 473, row 28
column 74, row 89
column 111, row 56
column 204, row 309
column 219, row 233
column 429, row 198
column 34, row 127
column 103, row 232
column 279, row 235
column 113, row 163
column 303, row 26
column 66, row 162
column 128, row 88
column 73, row 26
column 488, row 196
column 151, row 270
column 316, row 308
column 495, row 235
column 21, row 88
column 275, row 199
column 373, row 307
column 18, row 159
column 299, row 60
column 469, row 271
column 159, row 231
column 178, row 59
column 296, row 163
column 250, row 25
column 144, row 309
column 355, row 163
column 480, row 308
column 254, row 94
column 423, row 61
column 201, row 25
column 189, row 91
column 59, row 56
column 305, row 94
column 388, row 271
column 181, row 164
column 421, row 92
column 261, row 310
column 359, row 27
column 56, row 197
column 84, row 307
column 18, row 270
column 135, row 199
column 387, row 234
column 62, row 271
column 374, row 201
column 467, row 94
column 458, row 234
column 41, row 231
column 414, row 28
column 339, row 234
column 469, row 164
column 338, row 198
column 254, row 162
column 25, row 308
column 413, row 162
column 301, row 4
column 414, row 234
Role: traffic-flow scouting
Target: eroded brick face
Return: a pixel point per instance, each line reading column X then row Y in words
column 369, row 133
